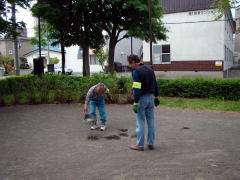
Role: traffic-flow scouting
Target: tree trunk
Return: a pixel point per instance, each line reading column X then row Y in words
column 86, row 67
column 112, row 45
column 63, row 57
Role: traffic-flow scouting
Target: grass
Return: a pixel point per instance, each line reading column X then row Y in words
column 211, row 104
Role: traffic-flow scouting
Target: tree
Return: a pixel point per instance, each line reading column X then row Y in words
column 45, row 39
column 131, row 17
column 223, row 6
column 86, row 29
column 6, row 61
column 102, row 56
column 54, row 60
column 6, row 26
column 46, row 36
column 74, row 23
column 57, row 13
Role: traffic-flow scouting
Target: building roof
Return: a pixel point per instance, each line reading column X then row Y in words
column 36, row 50
column 175, row 6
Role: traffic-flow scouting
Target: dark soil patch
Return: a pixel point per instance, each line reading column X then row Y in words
column 93, row 137
column 111, row 137
column 134, row 135
column 123, row 134
column 123, row 130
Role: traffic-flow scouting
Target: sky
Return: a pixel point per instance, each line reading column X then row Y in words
column 25, row 15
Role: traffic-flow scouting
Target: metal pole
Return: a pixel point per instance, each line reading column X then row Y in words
column 15, row 39
column 39, row 36
column 150, row 28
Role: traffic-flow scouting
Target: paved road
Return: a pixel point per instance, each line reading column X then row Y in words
column 41, row 142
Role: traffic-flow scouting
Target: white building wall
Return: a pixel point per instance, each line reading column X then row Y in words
column 192, row 41
column 76, row 64
column 228, row 44
column 44, row 53
column 72, row 61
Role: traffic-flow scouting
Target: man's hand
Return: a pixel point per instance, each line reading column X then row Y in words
column 156, row 101
column 85, row 109
column 135, row 107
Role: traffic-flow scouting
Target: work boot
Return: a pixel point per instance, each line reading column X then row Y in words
column 137, row 148
column 151, row 147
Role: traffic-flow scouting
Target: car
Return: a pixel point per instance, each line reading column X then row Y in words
column 58, row 70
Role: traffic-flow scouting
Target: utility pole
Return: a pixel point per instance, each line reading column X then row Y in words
column 39, row 36
column 15, row 39
column 150, row 28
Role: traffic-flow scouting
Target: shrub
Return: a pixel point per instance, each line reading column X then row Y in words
column 23, row 97
column 227, row 89
column 51, row 88
column 9, row 99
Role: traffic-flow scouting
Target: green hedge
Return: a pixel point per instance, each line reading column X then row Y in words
column 52, row 88
column 227, row 89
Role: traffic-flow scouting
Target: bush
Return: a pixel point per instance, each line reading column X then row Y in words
column 51, row 88
column 54, row 60
column 227, row 89
column 9, row 99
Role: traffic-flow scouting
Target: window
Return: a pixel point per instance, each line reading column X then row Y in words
column 10, row 52
column 93, row 60
column 161, row 54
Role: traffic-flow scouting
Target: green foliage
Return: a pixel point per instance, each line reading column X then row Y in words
column 54, row 60
column 212, row 104
column 23, row 97
column 6, row 24
column 9, row 99
column 227, row 89
column 44, row 36
column 102, row 56
column 51, row 88
column 116, row 20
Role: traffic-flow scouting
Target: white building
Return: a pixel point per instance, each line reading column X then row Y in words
column 44, row 53
column 122, row 51
column 74, row 60
column 196, row 45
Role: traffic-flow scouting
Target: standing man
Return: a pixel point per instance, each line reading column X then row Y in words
column 146, row 93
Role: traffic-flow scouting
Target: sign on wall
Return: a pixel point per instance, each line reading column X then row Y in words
column 218, row 63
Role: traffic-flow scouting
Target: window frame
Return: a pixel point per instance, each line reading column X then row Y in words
column 161, row 53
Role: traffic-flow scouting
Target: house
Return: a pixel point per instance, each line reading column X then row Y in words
column 7, row 46
column 34, row 53
column 122, row 51
column 237, row 39
column 74, row 60
column 196, row 45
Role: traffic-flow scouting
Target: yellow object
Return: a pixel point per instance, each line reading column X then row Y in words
column 107, row 90
column 137, row 85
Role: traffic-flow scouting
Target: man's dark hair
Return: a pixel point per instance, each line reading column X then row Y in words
column 133, row 58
